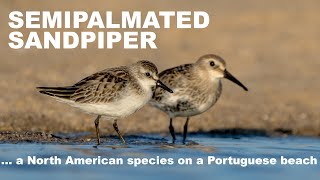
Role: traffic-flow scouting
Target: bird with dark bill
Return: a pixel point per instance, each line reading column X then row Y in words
column 197, row 87
column 114, row 93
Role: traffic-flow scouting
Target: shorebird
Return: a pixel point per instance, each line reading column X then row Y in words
column 114, row 93
column 197, row 87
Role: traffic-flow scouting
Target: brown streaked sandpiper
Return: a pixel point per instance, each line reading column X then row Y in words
column 114, row 93
column 197, row 87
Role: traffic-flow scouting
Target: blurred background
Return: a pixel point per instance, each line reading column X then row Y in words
column 270, row 46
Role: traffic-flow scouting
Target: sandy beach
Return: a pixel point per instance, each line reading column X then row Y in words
column 272, row 47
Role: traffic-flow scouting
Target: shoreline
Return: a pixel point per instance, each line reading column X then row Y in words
column 87, row 138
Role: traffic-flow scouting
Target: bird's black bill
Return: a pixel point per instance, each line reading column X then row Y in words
column 163, row 86
column 229, row 76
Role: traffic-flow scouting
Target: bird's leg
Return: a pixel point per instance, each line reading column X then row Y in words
column 96, row 123
column 171, row 129
column 115, row 126
column 185, row 130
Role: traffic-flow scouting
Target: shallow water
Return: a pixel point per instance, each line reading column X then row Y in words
column 140, row 147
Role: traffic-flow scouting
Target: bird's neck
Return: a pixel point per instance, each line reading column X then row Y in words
column 205, row 80
column 203, row 75
column 144, row 87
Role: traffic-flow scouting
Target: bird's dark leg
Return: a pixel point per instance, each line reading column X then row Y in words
column 115, row 126
column 185, row 130
column 171, row 129
column 96, row 123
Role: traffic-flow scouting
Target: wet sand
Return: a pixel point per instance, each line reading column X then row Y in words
column 88, row 138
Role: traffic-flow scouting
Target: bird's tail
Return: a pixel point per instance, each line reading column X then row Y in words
column 60, row 92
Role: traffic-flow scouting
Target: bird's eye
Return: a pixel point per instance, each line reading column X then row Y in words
column 212, row 63
column 147, row 74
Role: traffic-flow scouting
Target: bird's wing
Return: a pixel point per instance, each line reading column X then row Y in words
column 102, row 87
column 171, row 77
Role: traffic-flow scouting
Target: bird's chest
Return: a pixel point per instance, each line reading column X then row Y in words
column 125, row 105
column 128, row 105
column 205, row 97
column 133, row 103
column 207, row 102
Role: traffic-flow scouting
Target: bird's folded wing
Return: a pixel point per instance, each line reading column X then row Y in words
column 170, row 76
column 102, row 87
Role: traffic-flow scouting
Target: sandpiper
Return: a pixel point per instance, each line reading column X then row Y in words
column 197, row 87
column 113, row 93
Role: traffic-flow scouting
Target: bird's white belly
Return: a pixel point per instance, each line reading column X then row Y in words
column 194, row 104
column 118, row 109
